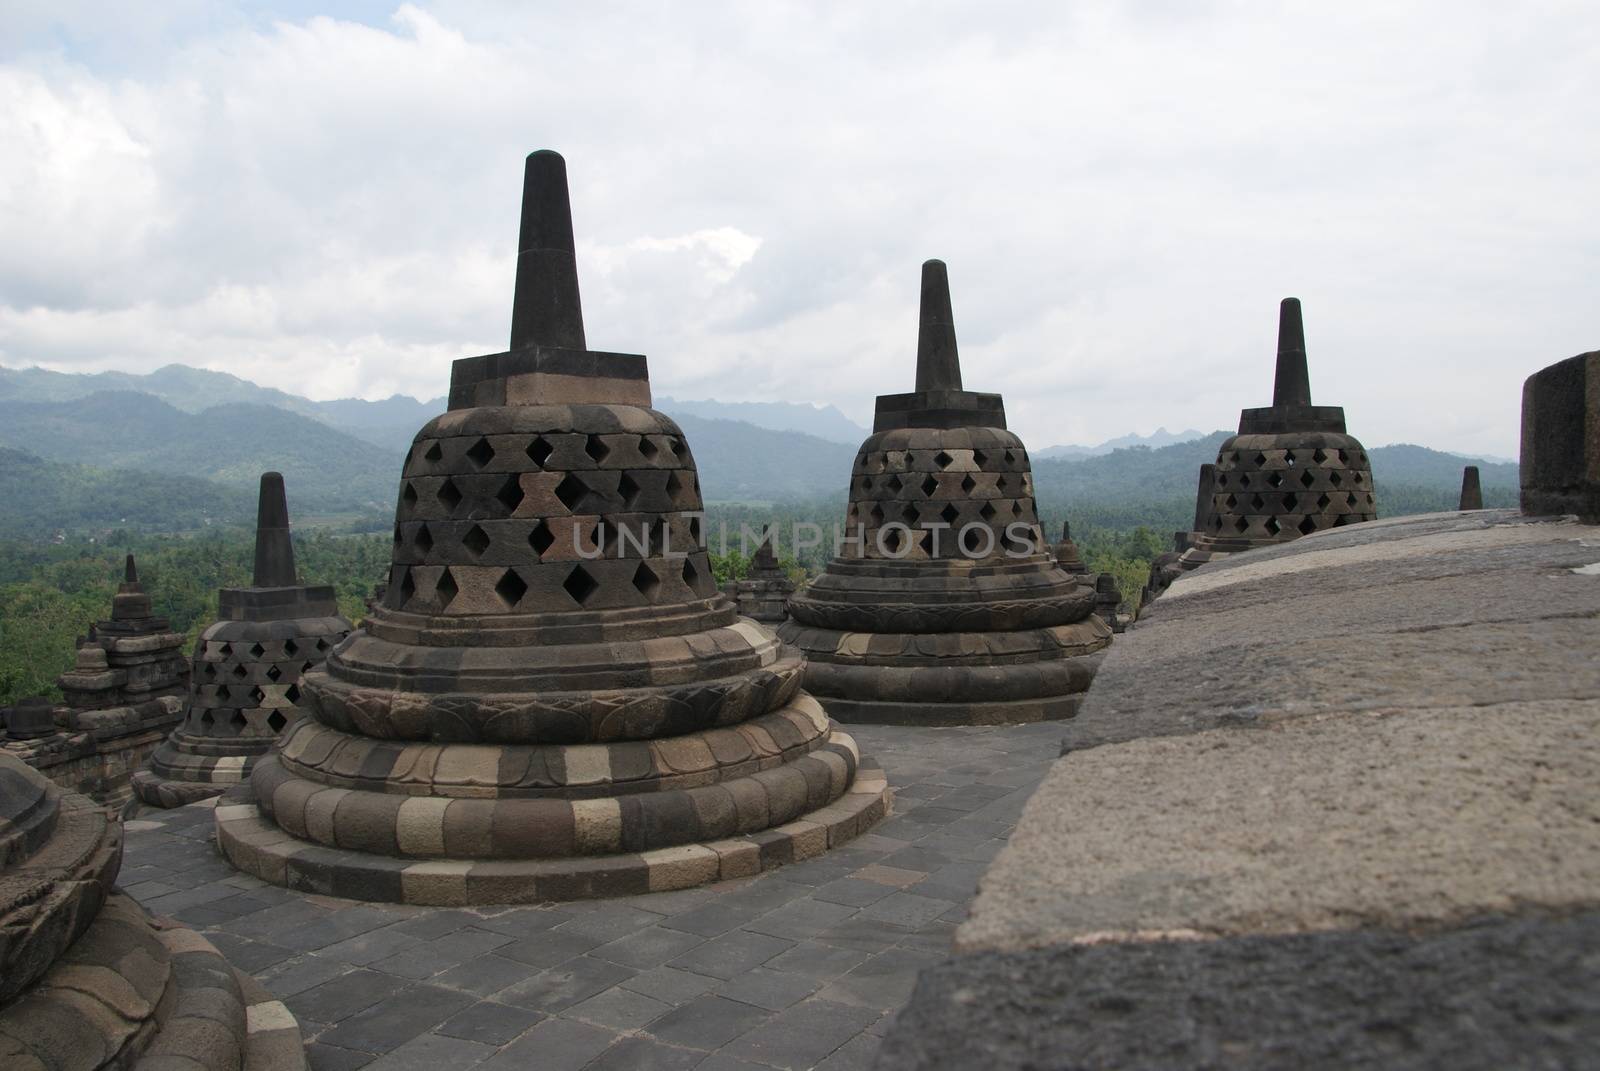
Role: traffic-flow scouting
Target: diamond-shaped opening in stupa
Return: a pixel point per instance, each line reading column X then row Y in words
column 580, row 585
column 511, row 588
column 646, row 582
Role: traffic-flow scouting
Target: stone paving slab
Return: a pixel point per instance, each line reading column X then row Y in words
column 799, row 967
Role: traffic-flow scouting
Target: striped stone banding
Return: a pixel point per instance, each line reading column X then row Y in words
column 730, row 648
column 272, row 1040
column 963, row 682
column 385, row 824
column 550, row 629
column 637, row 713
column 972, row 711
column 936, row 649
column 314, row 752
column 257, row 846
column 138, row 993
column 975, row 614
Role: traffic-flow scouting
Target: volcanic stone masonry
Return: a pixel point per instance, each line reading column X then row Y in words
column 950, row 608
column 1290, row 471
column 764, row 592
column 247, row 668
column 88, row 979
column 554, row 700
column 1560, row 470
column 125, row 693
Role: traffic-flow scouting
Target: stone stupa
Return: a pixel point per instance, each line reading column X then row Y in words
column 1471, row 489
column 1066, row 553
column 950, row 608
column 554, row 700
column 1291, row 470
column 763, row 593
column 127, row 689
column 132, row 659
column 247, row 668
column 88, row 979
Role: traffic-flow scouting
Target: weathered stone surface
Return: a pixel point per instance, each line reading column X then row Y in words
column 1299, row 785
column 1560, row 469
column 553, row 700
column 247, row 668
column 945, row 545
column 87, row 978
column 1317, row 1000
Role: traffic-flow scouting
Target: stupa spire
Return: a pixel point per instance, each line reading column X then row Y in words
column 765, row 558
column 1471, row 489
column 130, row 572
column 546, row 310
column 1292, row 385
column 938, row 362
column 274, row 551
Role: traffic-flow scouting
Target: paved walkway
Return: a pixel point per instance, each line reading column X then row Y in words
column 797, row 968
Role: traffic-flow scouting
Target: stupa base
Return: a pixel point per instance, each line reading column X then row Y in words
column 257, row 846
column 162, row 792
column 951, row 678
column 177, row 778
column 134, row 989
column 924, row 712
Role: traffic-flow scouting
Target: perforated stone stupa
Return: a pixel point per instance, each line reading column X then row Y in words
column 88, row 979
column 763, row 593
column 554, row 700
column 950, row 608
column 247, row 668
column 1291, row 470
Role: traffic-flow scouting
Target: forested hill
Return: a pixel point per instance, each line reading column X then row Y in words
column 231, row 445
column 344, row 457
column 43, row 497
column 741, row 462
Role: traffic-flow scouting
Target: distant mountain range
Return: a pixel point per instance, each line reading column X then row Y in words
column 195, row 442
column 1157, row 438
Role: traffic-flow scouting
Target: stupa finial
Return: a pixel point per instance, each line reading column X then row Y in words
column 274, row 551
column 1471, row 489
column 1292, row 385
column 765, row 557
column 130, row 572
column 545, row 310
column 938, row 362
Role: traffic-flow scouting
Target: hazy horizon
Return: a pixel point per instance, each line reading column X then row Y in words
column 1123, row 193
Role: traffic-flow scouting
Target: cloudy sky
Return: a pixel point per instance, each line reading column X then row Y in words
column 326, row 201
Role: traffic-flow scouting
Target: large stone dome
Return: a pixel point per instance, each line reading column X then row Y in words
column 1291, row 470
column 554, row 699
column 947, row 606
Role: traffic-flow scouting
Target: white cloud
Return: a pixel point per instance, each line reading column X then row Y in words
column 1122, row 194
